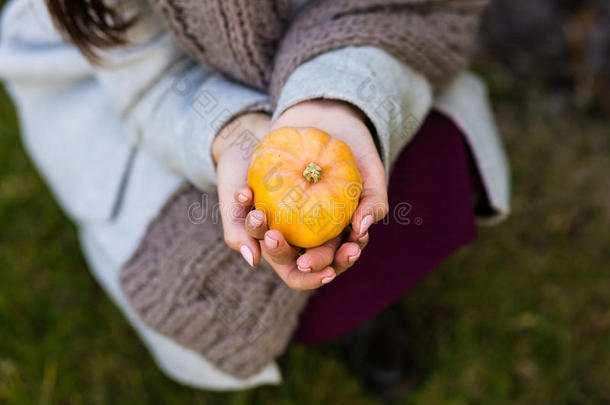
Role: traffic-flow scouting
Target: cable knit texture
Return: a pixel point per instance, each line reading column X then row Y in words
column 234, row 37
column 185, row 282
column 253, row 42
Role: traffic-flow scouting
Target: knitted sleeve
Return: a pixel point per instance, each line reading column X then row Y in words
column 237, row 38
column 434, row 37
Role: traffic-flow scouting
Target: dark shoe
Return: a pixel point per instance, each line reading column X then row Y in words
column 379, row 352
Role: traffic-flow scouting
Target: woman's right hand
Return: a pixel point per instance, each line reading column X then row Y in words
column 232, row 151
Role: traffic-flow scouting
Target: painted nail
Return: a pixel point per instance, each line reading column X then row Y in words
column 304, row 269
column 353, row 258
column 366, row 223
column 327, row 280
column 247, row 254
column 242, row 197
column 256, row 219
column 270, row 242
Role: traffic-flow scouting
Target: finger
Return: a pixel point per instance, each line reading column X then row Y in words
column 317, row 258
column 277, row 250
column 361, row 240
column 256, row 224
column 347, row 254
column 235, row 234
column 233, row 214
column 373, row 207
column 281, row 256
column 244, row 196
column 297, row 280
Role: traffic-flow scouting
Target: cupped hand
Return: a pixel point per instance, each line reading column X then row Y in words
column 320, row 265
column 247, row 231
column 232, row 150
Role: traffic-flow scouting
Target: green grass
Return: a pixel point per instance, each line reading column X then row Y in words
column 521, row 316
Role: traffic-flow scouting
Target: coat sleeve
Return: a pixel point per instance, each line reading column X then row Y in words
column 172, row 106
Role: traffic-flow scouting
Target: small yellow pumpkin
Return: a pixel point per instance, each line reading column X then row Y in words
column 307, row 184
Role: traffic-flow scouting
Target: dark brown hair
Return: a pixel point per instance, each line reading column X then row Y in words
column 91, row 25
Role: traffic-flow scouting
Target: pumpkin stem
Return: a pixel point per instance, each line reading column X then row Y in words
column 312, row 173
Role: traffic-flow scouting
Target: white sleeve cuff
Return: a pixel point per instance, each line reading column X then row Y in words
column 465, row 102
column 394, row 97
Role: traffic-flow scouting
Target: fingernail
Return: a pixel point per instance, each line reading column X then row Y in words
column 366, row 223
column 304, row 269
column 270, row 242
column 362, row 239
column 242, row 197
column 247, row 254
column 353, row 258
column 327, row 280
column 256, row 219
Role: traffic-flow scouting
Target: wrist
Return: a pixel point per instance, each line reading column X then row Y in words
column 255, row 124
column 319, row 113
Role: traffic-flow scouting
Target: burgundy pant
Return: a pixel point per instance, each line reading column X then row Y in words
column 431, row 215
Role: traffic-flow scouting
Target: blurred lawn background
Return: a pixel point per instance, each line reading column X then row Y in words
column 522, row 315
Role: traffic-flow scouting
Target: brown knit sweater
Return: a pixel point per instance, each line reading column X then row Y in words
column 255, row 43
column 185, row 282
